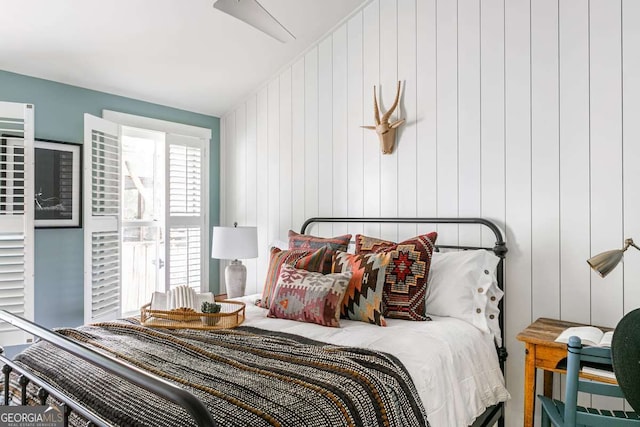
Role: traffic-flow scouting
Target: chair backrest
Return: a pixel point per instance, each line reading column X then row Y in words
column 576, row 353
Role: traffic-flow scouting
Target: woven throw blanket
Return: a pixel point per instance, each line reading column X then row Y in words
column 245, row 376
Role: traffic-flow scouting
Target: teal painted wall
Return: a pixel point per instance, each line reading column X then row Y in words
column 59, row 110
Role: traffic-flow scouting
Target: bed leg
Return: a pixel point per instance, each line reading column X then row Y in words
column 43, row 395
column 6, row 370
column 66, row 412
column 23, row 381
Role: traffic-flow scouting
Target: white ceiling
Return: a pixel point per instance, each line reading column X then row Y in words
column 181, row 53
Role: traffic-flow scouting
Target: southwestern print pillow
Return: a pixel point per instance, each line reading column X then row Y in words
column 309, row 297
column 310, row 260
column 406, row 275
column 363, row 298
column 333, row 244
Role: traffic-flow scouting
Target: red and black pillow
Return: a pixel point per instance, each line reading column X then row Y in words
column 406, row 274
column 310, row 260
column 332, row 244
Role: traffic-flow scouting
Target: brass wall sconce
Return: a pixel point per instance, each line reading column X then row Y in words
column 625, row 345
column 605, row 262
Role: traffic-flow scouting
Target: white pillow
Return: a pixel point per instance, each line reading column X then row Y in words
column 494, row 294
column 462, row 284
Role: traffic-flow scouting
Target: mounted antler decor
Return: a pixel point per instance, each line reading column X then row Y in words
column 386, row 131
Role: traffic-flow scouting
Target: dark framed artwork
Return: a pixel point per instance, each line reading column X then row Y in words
column 57, row 184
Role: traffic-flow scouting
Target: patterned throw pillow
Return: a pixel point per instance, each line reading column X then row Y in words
column 309, row 297
column 406, row 275
column 333, row 244
column 310, row 260
column 363, row 299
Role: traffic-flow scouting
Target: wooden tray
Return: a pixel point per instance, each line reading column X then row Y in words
column 232, row 314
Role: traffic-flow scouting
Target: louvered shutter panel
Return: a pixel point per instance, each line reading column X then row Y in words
column 185, row 212
column 16, row 216
column 102, row 243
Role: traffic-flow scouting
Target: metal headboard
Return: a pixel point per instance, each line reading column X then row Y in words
column 500, row 249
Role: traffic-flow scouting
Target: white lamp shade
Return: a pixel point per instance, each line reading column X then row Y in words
column 234, row 243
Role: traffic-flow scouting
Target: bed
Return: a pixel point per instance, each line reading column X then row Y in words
column 446, row 368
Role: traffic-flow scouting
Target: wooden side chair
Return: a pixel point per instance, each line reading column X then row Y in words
column 568, row 413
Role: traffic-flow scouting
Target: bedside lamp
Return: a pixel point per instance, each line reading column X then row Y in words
column 605, row 262
column 235, row 243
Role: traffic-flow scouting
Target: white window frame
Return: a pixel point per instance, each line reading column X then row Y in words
column 131, row 120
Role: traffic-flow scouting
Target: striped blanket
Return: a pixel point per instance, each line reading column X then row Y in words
column 245, row 376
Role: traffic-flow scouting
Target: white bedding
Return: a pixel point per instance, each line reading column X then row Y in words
column 453, row 364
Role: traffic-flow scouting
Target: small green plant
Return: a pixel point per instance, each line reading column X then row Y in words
column 210, row 307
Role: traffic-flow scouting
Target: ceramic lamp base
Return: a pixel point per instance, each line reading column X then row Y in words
column 235, row 276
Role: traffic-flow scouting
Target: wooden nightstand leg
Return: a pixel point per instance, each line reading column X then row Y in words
column 529, row 384
column 548, row 392
column 548, row 384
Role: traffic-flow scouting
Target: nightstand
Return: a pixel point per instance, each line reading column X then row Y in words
column 542, row 352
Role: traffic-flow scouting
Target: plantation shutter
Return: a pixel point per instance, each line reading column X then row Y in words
column 102, row 189
column 16, row 216
column 185, row 212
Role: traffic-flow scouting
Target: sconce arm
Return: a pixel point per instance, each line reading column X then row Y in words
column 629, row 242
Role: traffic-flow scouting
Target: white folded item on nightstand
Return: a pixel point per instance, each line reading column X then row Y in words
column 182, row 296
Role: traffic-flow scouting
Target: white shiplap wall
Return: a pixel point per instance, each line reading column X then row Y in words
column 525, row 112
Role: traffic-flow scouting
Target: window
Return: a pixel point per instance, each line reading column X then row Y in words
column 160, row 217
column 143, row 219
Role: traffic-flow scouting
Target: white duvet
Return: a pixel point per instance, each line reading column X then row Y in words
column 453, row 364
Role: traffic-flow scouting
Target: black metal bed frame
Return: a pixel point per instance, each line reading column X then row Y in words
column 152, row 383
column 177, row 395
column 494, row 413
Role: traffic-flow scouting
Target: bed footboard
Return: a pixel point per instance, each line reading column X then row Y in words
column 149, row 382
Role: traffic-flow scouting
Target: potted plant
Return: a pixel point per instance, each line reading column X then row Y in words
column 210, row 307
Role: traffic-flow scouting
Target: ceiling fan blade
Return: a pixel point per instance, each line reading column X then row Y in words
column 252, row 12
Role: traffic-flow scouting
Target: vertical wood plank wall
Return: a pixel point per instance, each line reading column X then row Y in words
column 526, row 112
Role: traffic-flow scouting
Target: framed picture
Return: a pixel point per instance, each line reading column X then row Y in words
column 57, row 184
